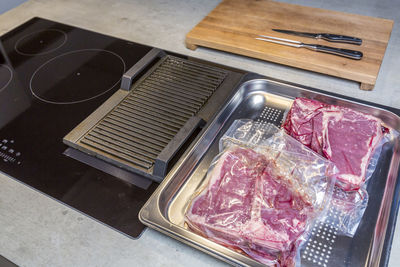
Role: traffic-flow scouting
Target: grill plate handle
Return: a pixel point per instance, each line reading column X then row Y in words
column 163, row 159
column 136, row 69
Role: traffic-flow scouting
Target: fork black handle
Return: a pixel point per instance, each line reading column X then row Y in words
column 353, row 54
column 340, row 38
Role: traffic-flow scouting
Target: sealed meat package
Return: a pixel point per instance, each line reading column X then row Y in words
column 258, row 198
column 352, row 141
column 311, row 171
column 346, row 137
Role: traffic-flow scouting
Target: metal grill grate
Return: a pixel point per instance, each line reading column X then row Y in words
column 137, row 130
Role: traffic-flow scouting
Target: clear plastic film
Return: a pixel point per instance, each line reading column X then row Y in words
column 347, row 208
column 307, row 169
column 262, row 194
column 350, row 139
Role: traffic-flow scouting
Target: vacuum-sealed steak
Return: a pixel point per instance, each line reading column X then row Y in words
column 344, row 136
column 249, row 206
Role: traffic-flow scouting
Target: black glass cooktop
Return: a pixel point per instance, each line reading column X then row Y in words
column 52, row 76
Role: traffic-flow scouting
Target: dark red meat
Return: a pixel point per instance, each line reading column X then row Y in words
column 248, row 205
column 344, row 136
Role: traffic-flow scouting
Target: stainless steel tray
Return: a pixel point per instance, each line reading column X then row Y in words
column 265, row 100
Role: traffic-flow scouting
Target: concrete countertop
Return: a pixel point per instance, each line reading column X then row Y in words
column 36, row 230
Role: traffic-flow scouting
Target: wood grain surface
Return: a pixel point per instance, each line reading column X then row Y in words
column 233, row 25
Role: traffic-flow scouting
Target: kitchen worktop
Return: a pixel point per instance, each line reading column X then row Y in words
column 36, row 230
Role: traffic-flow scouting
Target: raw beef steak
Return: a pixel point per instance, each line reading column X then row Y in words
column 344, row 136
column 248, row 206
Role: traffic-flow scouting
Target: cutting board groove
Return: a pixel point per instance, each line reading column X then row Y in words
column 233, row 25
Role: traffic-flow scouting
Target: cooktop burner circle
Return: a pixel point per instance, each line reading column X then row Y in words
column 77, row 76
column 40, row 42
column 6, row 75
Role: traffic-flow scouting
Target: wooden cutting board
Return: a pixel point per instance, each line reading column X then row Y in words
column 233, row 25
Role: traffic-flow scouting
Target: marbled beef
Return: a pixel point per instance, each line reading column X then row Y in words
column 248, row 206
column 344, row 136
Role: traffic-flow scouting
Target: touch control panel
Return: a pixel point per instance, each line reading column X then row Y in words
column 8, row 153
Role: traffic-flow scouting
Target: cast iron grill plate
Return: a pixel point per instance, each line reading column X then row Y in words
column 160, row 105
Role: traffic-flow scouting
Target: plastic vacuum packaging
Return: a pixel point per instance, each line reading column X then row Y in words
column 353, row 141
column 346, row 210
column 346, row 137
column 262, row 194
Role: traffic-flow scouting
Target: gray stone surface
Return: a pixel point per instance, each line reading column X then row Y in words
column 36, row 230
column 9, row 4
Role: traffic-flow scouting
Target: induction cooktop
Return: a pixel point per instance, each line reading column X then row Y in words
column 52, row 76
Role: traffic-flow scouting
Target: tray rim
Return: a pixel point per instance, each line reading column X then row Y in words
column 152, row 216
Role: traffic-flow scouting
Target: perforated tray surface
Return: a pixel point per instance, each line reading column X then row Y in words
column 267, row 101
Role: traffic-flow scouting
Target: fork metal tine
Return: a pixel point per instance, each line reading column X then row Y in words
column 280, row 39
column 279, row 42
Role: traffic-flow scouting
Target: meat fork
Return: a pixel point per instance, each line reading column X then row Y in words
column 353, row 54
